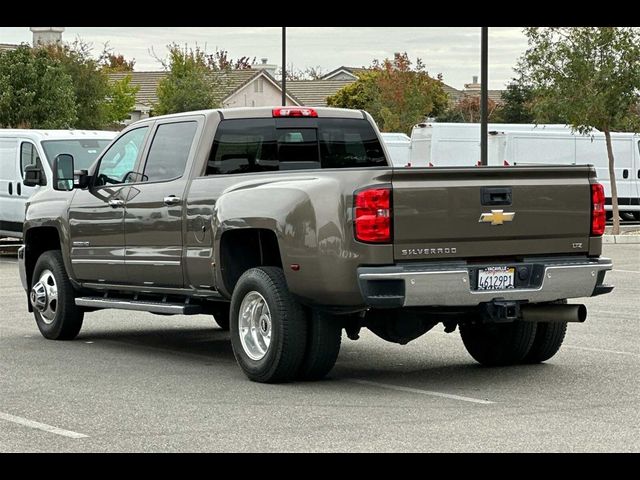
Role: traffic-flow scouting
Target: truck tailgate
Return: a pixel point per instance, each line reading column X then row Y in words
column 491, row 211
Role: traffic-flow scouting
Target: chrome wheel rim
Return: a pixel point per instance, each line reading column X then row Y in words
column 254, row 325
column 44, row 296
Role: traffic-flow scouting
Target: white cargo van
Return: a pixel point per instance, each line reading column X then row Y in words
column 399, row 147
column 21, row 148
column 555, row 148
column 458, row 144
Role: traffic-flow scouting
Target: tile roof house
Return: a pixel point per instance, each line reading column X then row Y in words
column 314, row 93
column 473, row 90
column 236, row 88
column 256, row 87
column 344, row 73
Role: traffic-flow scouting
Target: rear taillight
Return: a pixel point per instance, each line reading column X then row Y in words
column 294, row 112
column 598, row 215
column 373, row 215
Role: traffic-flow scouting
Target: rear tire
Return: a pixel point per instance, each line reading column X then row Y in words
column 268, row 326
column 548, row 340
column 498, row 344
column 53, row 299
column 324, row 336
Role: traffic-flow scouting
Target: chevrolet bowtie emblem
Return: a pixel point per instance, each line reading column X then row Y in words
column 496, row 217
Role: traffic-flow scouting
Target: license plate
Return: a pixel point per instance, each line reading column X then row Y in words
column 495, row 278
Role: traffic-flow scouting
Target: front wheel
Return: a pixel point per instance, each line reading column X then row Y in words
column 268, row 326
column 497, row 344
column 53, row 299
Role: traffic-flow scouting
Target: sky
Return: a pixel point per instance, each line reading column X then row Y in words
column 452, row 51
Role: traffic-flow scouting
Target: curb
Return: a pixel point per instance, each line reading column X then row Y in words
column 621, row 239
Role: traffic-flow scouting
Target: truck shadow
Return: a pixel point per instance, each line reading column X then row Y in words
column 452, row 374
column 198, row 343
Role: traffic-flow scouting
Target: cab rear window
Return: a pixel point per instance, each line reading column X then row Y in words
column 272, row 144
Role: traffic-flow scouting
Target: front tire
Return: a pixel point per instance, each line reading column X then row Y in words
column 268, row 326
column 498, row 344
column 53, row 299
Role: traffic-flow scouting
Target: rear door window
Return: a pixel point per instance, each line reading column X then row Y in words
column 169, row 151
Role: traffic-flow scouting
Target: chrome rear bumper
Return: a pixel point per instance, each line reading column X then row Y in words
column 451, row 284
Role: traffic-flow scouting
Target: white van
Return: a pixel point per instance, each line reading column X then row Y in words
column 21, row 148
column 557, row 148
column 458, row 144
column 399, row 147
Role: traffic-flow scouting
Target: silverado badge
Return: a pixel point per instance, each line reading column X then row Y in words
column 496, row 217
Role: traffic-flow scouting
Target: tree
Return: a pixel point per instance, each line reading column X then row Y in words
column 359, row 95
column 35, row 91
column 189, row 85
column 518, row 100
column 90, row 84
column 295, row 74
column 220, row 61
column 121, row 101
column 467, row 110
column 588, row 75
column 395, row 92
column 111, row 62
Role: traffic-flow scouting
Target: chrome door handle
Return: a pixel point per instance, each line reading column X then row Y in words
column 116, row 202
column 171, row 200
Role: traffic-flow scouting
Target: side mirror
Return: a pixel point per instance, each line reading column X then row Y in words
column 33, row 176
column 135, row 177
column 63, row 172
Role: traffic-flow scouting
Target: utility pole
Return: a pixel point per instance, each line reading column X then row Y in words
column 284, row 66
column 484, row 94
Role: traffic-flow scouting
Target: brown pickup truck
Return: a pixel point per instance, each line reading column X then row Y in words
column 289, row 225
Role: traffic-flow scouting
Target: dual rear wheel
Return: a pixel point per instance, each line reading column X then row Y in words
column 499, row 344
column 274, row 338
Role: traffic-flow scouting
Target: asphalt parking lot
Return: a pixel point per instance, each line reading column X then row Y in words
column 139, row 382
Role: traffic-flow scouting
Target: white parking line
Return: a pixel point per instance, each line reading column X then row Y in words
column 421, row 392
column 625, row 271
column 40, row 426
column 602, row 350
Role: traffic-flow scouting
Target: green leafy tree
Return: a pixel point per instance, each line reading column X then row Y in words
column 588, row 75
column 90, row 83
column 189, row 84
column 397, row 93
column 35, row 91
column 359, row 95
column 518, row 100
column 120, row 102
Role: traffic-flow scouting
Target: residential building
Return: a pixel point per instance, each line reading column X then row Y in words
column 254, row 87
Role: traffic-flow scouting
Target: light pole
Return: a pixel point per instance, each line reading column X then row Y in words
column 284, row 66
column 484, row 94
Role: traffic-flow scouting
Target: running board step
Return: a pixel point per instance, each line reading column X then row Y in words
column 139, row 305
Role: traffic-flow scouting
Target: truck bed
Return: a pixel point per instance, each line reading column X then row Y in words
column 470, row 212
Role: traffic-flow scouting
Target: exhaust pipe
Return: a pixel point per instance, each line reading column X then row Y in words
column 545, row 312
